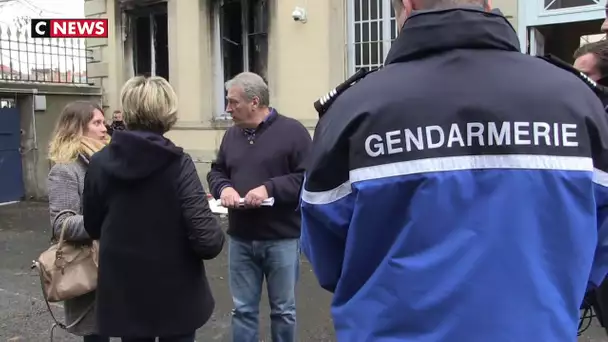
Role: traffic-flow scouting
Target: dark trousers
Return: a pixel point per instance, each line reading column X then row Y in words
column 96, row 338
column 599, row 302
column 181, row 338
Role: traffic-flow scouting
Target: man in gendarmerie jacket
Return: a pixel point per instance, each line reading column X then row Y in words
column 261, row 157
column 460, row 193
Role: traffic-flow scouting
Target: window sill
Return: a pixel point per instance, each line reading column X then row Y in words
column 222, row 121
column 216, row 123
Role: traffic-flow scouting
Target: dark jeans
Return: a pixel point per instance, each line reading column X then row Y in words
column 181, row 338
column 599, row 301
column 249, row 262
column 96, row 338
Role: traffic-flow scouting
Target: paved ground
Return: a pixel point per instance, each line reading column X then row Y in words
column 23, row 316
column 24, row 234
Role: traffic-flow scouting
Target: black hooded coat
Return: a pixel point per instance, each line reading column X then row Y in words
column 144, row 200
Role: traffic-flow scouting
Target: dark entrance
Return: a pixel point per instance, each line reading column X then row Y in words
column 562, row 40
column 11, row 178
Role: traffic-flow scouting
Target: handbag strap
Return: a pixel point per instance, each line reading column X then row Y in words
column 63, row 226
column 48, row 306
column 37, row 265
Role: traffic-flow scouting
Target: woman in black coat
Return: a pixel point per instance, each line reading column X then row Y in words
column 144, row 200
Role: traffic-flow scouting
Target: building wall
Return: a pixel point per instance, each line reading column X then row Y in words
column 305, row 61
column 509, row 9
column 105, row 67
column 38, row 126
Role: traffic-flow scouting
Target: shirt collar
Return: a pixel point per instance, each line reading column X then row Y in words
column 268, row 117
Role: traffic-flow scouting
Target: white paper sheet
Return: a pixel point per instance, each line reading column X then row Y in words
column 269, row 202
column 217, row 208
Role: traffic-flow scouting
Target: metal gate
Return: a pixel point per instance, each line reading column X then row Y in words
column 11, row 177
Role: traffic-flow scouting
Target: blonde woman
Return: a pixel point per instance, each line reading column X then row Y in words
column 145, row 203
column 80, row 132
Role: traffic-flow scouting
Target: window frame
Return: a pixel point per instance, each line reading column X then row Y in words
column 389, row 32
column 219, row 112
column 545, row 6
column 147, row 10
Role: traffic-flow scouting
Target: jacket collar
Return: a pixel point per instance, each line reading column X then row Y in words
column 432, row 32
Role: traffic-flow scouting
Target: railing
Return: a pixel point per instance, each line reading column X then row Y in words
column 26, row 59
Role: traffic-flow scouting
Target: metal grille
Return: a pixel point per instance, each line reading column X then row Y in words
column 560, row 4
column 24, row 59
column 373, row 28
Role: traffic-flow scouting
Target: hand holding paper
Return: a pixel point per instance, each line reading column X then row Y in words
column 217, row 208
column 255, row 197
column 269, row 202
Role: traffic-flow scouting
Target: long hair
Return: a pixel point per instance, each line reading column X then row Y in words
column 70, row 128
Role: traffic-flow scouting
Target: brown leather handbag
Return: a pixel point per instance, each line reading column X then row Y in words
column 68, row 270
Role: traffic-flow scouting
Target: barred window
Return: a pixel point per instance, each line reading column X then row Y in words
column 372, row 28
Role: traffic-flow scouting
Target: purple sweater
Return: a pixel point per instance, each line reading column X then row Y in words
column 272, row 155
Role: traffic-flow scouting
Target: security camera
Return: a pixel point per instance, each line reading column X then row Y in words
column 299, row 15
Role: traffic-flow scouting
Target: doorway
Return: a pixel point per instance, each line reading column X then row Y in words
column 11, row 177
column 560, row 40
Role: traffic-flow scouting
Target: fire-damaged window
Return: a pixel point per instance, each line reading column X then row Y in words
column 241, row 32
column 149, row 39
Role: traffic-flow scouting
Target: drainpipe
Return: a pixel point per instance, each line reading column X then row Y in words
column 34, row 92
column 34, row 150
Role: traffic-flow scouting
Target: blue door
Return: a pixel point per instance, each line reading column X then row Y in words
column 11, row 178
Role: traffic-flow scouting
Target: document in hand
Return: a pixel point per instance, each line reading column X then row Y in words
column 269, row 202
column 216, row 205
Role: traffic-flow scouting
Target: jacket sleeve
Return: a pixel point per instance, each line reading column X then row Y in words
column 93, row 207
column 63, row 185
column 204, row 232
column 219, row 175
column 286, row 189
column 327, row 202
column 598, row 128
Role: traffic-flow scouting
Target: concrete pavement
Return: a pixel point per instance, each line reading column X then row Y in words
column 24, row 233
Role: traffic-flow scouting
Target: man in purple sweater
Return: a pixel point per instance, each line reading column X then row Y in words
column 262, row 156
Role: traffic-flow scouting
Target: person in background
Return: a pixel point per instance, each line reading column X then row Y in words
column 117, row 123
column 448, row 199
column 260, row 157
column 80, row 132
column 592, row 60
column 145, row 203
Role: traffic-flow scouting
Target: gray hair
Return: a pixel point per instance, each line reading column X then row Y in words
column 440, row 4
column 253, row 86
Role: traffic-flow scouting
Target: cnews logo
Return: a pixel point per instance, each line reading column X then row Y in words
column 69, row 28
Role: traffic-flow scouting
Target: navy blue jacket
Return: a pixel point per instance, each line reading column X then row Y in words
column 459, row 193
